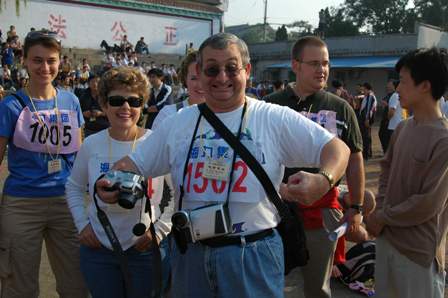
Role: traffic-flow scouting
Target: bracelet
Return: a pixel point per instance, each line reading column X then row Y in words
column 328, row 176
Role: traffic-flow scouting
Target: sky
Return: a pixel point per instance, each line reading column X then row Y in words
column 279, row 11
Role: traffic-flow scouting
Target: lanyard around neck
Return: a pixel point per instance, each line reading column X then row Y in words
column 182, row 191
column 44, row 127
column 110, row 145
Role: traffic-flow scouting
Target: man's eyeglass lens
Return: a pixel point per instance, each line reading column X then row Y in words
column 213, row 71
column 316, row 64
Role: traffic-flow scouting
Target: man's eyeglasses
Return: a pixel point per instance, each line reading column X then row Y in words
column 230, row 70
column 118, row 101
column 42, row 34
column 315, row 63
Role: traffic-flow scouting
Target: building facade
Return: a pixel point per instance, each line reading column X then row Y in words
column 167, row 26
column 354, row 59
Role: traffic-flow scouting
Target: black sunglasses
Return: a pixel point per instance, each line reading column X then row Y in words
column 230, row 70
column 118, row 101
column 42, row 34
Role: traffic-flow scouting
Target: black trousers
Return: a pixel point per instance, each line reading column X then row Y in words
column 366, row 133
column 385, row 135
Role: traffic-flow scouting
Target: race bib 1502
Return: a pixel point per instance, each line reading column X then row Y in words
column 58, row 134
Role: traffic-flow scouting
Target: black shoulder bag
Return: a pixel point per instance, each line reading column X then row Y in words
column 290, row 227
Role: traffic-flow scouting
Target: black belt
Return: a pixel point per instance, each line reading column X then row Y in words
column 234, row 240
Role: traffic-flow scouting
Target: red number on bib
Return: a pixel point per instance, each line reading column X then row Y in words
column 239, row 187
column 198, row 174
column 219, row 189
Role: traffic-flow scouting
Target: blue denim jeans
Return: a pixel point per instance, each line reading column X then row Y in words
column 102, row 273
column 252, row 269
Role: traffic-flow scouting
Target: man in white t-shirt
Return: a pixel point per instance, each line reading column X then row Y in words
column 395, row 115
column 444, row 106
column 248, row 262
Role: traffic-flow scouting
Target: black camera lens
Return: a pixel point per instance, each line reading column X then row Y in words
column 127, row 200
column 180, row 219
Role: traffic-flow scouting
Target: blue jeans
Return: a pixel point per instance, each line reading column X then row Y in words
column 252, row 269
column 165, row 253
column 102, row 273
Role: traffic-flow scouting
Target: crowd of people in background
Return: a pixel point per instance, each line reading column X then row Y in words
column 154, row 91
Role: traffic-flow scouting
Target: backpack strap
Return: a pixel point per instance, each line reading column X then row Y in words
column 179, row 106
column 22, row 103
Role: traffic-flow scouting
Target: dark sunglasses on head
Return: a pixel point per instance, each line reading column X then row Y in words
column 42, row 34
column 118, row 101
column 230, row 70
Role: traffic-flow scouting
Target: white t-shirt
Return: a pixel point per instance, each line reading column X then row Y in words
column 444, row 106
column 93, row 160
column 394, row 103
column 167, row 111
column 277, row 136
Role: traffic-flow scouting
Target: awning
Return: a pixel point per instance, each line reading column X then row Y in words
column 352, row 62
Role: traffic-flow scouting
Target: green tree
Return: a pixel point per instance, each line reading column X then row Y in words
column 281, row 33
column 334, row 22
column 255, row 34
column 433, row 12
column 378, row 16
column 299, row 29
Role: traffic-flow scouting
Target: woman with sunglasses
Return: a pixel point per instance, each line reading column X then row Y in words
column 189, row 78
column 122, row 94
column 41, row 126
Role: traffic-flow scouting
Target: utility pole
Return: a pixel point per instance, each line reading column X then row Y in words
column 265, row 18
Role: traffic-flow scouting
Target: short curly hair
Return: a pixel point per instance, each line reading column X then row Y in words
column 127, row 77
column 188, row 59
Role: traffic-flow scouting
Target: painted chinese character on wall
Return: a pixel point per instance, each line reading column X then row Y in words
column 58, row 25
column 118, row 30
column 170, row 36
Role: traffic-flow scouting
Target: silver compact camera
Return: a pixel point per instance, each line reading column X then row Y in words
column 131, row 187
column 200, row 224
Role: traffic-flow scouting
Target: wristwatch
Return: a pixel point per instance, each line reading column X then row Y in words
column 327, row 176
column 357, row 207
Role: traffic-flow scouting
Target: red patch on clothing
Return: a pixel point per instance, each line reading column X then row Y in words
column 312, row 215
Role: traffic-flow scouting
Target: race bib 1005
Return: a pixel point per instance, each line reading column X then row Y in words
column 58, row 134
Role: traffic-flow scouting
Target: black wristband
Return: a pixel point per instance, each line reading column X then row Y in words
column 357, row 207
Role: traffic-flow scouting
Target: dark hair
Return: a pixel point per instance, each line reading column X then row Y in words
column 300, row 44
column 45, row 38
column 156, row 72
column 277, row 84
column 221, row 41
column 427, row 65
column 336, row 84
column 92, row 76
column 367, row 86
column 396, row 83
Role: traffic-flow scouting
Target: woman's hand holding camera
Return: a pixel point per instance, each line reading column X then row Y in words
column 104, row 193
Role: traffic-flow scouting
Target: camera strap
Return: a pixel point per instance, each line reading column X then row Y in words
column 182, row 192
column 248, row 158
column 118, row 250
